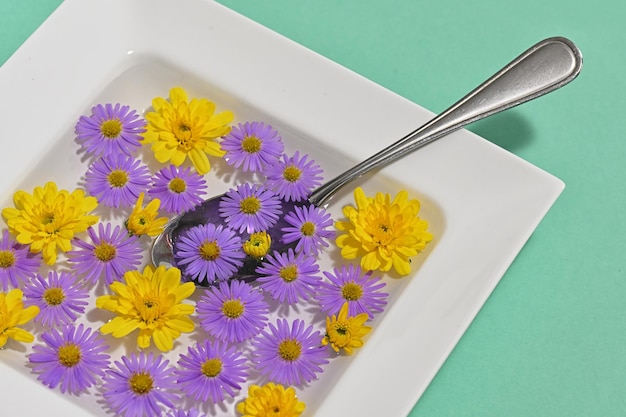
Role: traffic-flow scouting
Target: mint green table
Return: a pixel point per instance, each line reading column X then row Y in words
column 551, row 340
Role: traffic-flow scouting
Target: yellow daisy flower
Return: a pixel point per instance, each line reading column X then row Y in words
column 179, row 128
column 258, row 245
column 48, row 219
column 271, row 400
column 384, row 233
column 13, row 314
column 151, row 302
column 145, row 220
column 343, row 332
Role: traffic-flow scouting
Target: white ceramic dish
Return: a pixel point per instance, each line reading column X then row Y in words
column 482, row 203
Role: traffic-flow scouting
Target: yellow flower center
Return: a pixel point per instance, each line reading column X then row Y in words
column 184, row 136
column 351, row 291
column 233, row 308
column 111, row 128
column 288, row 273
column 292, row 173
column 149, row 309
column 209, row 251
column 7, row 259
column 177, row 185
column 117, row 178
column 289, row 349
column 69, row 355
column 47, row 218
column 308, row 229
column 212, row 367
column 251, row 144
column 104, row 252
column 53, row 296
column 140, row 383
column 250, row 205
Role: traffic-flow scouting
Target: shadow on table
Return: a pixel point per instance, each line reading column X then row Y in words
column 509, row 130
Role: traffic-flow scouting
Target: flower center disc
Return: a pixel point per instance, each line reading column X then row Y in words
column 117, row 178
column 308, row 229
column 232, row 308
column 111, row 129
column 53, row 296
column 69, row 355
column 140, row 383
column 289, row 273
column 351, row 291
column 250, row 205
column 212, row 367
column 289, row 349
column 251, row 144
column 209, row 251
column 177, row 185
column 292, row 173
column 104, row 252
column 7, row 259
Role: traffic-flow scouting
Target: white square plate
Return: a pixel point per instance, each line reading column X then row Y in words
column 482, row 203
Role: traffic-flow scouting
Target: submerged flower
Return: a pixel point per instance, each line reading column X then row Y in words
column 48, row 219
column 271, row 400
column 145, row 220
column 290, row 354
column 293, row 178
column 110, row 254
column 344, row 331
column 253, row 146
column 117, row 180
column 151, row 302
column 211, row 370
column 233, row 311
column 13, row 314
column 179, row 189
column 184, row 413
column 289, row 277
column 179, row 128
column 110, row 130
column 257, row 245
column 307, row 227
column 349, row 284
column 384, row 233
column 60, row 297
column 140, row 385
column 208, row 253
column 17, row 264
column 73, row 357
column 250, row 208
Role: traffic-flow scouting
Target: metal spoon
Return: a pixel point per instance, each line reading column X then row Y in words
column 545, row 67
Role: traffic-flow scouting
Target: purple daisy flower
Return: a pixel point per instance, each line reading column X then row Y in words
column 60, row 298
column 208, row 253
column 294, row 178
column 252, row 145
column 350, row 284
column 250, row 208
column 17, row 263
column 111, row 253
column 140, row 385
column 289, row 276
column 211, row 370
column 110, row 130
column 117, row 180
column 234, row 311
column 183, row 413
column 178, row 188
column 290, row 354
column 73, row 357
column 308, row 227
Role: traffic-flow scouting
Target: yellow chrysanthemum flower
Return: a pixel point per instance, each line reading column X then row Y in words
column 179, row 128
column 48, row 219
column 145, row 220
column 13, row 314
column 384, row 233
column 151, row 302
column 271, row 400
column 258, row 245
column 343, row 332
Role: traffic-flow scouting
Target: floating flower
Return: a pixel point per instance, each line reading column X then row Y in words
column 48, row 219
column 145, row 220
column 257, row 245
column 349, row 284
column 59, row 297
column 211, row 370
column 271, row 400
column 250, row 208
column 308, row 227
column 289, row 277
column 252, row 146
column 208, row 253
column 151, row 302
column 109, row 254
column 179, row 128
column 344, row 331
column 13, row 314
column 179, row 189
column 293, row 178
column 72, row 357
column 117, row 180
column 233, row 311
column 382, row 232
column 16, row 262
column 110, row 130
column 140, row 385
column 290, row 354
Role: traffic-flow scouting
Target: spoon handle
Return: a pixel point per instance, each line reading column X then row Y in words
column 546, row 66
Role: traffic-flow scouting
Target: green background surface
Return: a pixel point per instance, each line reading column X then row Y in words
column 550, row 339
